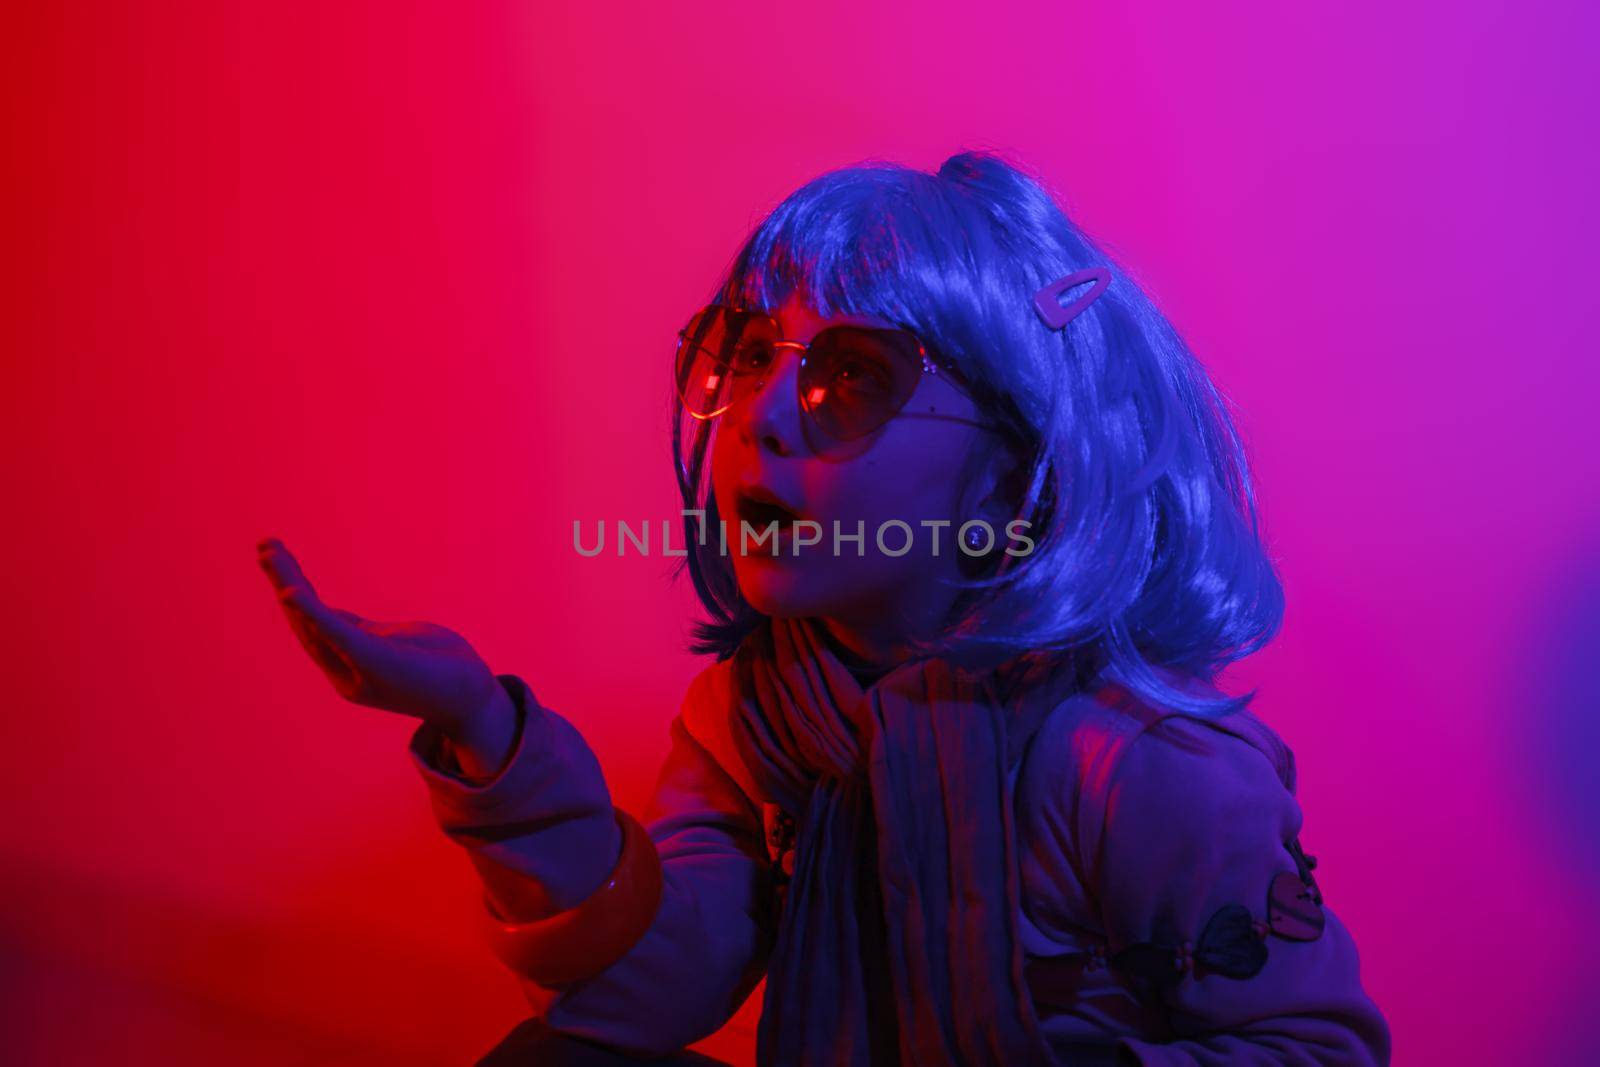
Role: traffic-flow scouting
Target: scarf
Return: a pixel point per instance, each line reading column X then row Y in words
column 898, row 940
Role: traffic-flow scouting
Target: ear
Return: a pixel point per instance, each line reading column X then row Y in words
column 996, row 483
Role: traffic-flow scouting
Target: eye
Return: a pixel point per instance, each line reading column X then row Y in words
column 851, row 371
column 854, row 372
column 752, row 357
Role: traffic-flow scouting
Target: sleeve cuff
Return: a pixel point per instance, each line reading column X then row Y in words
column 442, row 754
column 459, row 796
column 579, row 942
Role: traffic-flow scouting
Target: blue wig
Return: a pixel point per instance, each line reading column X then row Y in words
column 1148, row 561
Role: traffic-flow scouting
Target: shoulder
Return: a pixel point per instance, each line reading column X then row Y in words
column 1104, row 761
column 1196, row 789
column 1088, row 739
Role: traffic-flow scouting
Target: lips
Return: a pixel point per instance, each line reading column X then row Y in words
column 760, row 506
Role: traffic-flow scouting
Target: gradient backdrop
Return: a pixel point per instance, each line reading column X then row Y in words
column 340, row 274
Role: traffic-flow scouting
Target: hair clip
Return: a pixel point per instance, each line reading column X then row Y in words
column 1047, row 301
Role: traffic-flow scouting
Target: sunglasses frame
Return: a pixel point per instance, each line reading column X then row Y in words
column 931, row 362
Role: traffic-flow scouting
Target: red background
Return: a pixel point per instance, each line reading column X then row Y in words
column 399, row 284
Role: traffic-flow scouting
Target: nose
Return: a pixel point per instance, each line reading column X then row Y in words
column 770, row 416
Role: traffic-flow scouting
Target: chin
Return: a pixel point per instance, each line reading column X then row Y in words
column 785, row 589
column 776, row 590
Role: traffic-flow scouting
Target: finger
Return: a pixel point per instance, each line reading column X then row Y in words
column 347, row 634
column 295, row 590
column 327, row 656
column 368, row 627
column 283, row 570
column 367, row 653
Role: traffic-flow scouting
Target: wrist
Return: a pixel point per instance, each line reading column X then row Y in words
column 483, row 741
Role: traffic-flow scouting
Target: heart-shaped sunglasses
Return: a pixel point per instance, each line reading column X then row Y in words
column 851, row 380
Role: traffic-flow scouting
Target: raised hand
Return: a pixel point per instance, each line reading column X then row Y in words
column 413, row 668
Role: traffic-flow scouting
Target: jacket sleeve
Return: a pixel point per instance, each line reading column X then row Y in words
column 1197, row 820
column 543, row 835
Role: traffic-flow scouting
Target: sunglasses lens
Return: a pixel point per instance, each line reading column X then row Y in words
column 854, row 380
column 721, row 355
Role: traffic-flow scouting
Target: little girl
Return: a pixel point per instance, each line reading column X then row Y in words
column 960, row 782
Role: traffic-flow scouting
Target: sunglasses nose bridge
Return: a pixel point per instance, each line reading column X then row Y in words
column 775, row 369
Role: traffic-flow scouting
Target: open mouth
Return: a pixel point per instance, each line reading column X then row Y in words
column 757, row 508
column 761, row 513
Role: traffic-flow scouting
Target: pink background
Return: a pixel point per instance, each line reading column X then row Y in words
column 338, row 276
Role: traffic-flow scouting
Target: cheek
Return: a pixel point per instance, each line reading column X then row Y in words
column 911, row 481
column 722, row 458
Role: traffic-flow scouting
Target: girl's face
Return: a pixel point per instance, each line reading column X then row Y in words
column 908, row 469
